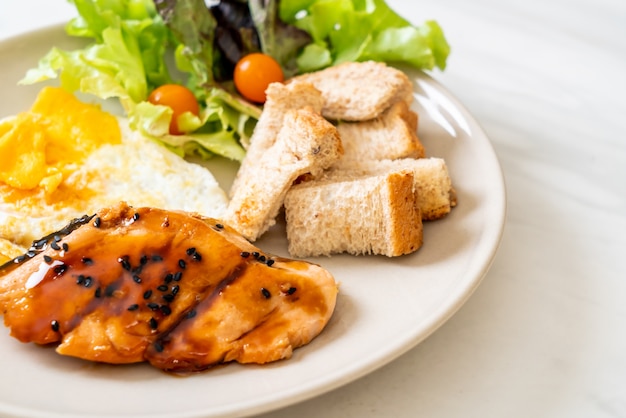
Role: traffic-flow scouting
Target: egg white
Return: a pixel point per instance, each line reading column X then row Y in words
column 137, row 171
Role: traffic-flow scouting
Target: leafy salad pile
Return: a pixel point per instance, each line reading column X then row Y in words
column 136, row 46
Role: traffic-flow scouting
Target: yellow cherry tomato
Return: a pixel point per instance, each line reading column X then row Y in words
column 179, row 98
column 253, row 73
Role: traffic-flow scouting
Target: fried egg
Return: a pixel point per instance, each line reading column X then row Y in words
column 134, row 169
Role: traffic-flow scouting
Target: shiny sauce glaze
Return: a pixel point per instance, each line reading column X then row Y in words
column 250, row 317
column 181, row 292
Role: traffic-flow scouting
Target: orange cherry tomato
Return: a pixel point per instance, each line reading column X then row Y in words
column 179, row 98
column 253, row 73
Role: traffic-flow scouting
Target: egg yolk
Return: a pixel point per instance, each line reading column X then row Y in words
column 38, row 147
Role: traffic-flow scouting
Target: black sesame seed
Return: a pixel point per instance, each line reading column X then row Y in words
column 47, row 259
column 177, row 276
column 87, row 261
column 168, row 278
column 133, row 307
column 96, row 222
column 55, row 246
column 266, row 293
column 143, row 260
column 20, row 258
column 54, row 324
column 65, row 247
column 162, row 288
column 191, row 251
column 219, row 226
column 166, row 310
column 168, row 297
column 57, row 238
column 175, row 289
column 245, row 254
column 255, row 254
column 153, row 323
column 197, row 257
column 156, row 257
column 98, row 292
column 38, row 245
column 158, row 347
column 153, row 306
column 262, row 258
column 124, row 262
column 147, row 294
column 291, row 290
column 88, row 281
column 192, row 313
column 60, row 269
column 182, row 264
column 136, row 216
column 80, row 279
column 136, row 278
column 270, row 263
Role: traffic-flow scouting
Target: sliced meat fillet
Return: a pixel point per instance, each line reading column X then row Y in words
column 129, row 285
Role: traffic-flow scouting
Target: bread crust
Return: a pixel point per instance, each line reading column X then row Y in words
column 361, row 215
column 281, row 98
column 307, row 144
column 372, row 191
column 357, row 91
column 431, row 177
column 392, row 135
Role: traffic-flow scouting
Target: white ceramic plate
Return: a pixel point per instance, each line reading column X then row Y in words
column 386, row 306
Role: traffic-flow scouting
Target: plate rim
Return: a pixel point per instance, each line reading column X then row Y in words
column 434, row 322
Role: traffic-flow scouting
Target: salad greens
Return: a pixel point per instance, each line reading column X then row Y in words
column 278, row 39
column 360, row 30
column 138, row 45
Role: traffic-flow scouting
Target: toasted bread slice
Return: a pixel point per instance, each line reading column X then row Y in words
column 356, row 91
column 432, row 181
column 361, row 214
column 280, row 99
column 306, row 144
column 390, row 136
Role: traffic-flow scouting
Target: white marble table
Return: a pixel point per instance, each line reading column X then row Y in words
column 545, row 333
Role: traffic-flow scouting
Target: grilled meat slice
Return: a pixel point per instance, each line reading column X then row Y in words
column 180, row 291
column 258, row 319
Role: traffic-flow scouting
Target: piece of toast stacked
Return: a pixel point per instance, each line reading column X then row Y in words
column 338, row 149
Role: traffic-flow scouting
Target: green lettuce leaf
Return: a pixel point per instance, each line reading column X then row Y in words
column 360, row 30
column 140, row 43
column 78, row 74
column 153, row 122
column 227, row 121
column 193, row 26
column 126, row 59
column 222, row 127
column 281, row 41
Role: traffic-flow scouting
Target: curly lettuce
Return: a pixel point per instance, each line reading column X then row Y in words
column 128, row 58
column 360, row 30
column 138, row 45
